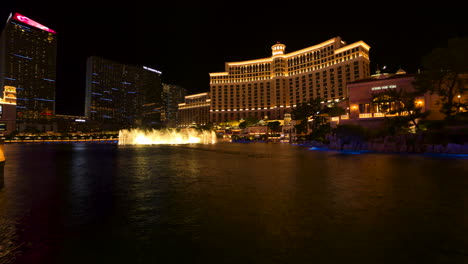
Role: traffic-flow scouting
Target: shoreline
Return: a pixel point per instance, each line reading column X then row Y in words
column 335, row 144
column 389, row 147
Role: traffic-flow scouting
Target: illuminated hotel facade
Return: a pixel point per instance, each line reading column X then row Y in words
column 195, row 110
column 122, row 96
column 28, row 52
column 8, row 111
column 272, row 86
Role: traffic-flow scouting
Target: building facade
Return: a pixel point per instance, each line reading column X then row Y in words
column 173, row 95
column 122, row 96
column 195, row 110
column 28, row 52
column 366, row 111
column 8, row 111
column 272, row 86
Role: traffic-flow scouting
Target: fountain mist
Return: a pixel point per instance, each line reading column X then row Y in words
column 154, row 137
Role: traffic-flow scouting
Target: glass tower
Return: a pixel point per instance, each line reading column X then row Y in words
column 122, row 96
column 28, row 52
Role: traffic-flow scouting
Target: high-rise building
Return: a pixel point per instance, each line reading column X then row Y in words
column 28, row 52
column 272, row 86
column 122, row 96
column 173, row 95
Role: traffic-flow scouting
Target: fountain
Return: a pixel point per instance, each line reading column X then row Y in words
column 156, row 137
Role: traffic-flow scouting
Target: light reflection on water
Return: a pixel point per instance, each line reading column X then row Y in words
column 230, row 203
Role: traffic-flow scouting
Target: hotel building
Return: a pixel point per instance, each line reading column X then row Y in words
column 195, row 110
column 272, row 86
column 28, row 52
column 122, row 96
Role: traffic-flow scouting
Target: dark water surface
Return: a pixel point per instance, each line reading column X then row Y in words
column 230, row 203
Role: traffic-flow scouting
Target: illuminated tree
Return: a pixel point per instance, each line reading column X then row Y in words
column 249, row 121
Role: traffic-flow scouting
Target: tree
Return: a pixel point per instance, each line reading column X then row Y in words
column 400, row 103
column 442, row 71
column 308, row 110
column 249, row 121
column 274, row 126
column 336, row 110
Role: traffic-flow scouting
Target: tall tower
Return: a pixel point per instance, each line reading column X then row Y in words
column 121, row 95
column 28, row 52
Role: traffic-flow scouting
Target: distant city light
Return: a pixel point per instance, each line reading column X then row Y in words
column 31, row 22
column 150, row 69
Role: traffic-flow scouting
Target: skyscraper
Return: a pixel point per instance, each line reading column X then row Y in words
column 28, row 52
column 122, row 96
column 173, row 95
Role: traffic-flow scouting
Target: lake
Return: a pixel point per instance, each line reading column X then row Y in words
column 230, row 203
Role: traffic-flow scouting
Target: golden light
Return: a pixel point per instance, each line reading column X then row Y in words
column 157, row 137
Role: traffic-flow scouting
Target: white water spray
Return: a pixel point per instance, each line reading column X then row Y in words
column 155, row 137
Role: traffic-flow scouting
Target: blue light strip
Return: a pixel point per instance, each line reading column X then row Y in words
column 11, row 79
column 21, row 56
column 22, row 26
column 42, row 99
column 50, row 80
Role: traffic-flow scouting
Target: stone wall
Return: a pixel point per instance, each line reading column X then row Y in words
column 400, row 143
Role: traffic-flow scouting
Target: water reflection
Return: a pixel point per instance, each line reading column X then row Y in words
column 231, row 203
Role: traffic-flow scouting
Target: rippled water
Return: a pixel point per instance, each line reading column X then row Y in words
column 230, row 203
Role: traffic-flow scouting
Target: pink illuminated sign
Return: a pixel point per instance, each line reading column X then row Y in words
column 31, row 22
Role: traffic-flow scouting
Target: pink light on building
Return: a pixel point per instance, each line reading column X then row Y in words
column 31, row 22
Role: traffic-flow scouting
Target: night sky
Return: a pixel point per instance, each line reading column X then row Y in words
column 187, row 42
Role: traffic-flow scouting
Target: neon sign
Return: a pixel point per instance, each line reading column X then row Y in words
column 31, row 22
column 392, row 86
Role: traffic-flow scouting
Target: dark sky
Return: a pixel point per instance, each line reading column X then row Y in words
column 187, row 42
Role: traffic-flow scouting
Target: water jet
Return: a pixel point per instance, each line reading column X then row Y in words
column 166, row 136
